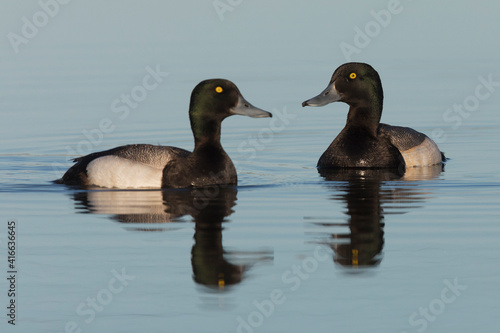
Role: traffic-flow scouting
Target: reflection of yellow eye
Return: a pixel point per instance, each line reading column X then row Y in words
column 218, row 90
column 352, row 75
column 221, row 281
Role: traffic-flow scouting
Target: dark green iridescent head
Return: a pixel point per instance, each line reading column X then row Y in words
column 211, row 102
column 356, row 84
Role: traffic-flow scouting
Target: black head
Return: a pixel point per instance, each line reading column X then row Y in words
column 354, row 83
column 215, row 99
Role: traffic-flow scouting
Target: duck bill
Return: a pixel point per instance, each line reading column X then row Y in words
column 327, row 96
column 244, row 108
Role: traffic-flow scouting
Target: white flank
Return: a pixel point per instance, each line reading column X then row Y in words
column 114, row 171
column 425, row 154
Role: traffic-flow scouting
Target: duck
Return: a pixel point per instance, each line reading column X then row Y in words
column 365, row 142
column 154, row 166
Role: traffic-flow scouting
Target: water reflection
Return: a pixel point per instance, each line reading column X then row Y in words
column 368, row 195
column 212, row 265
column 134, row 206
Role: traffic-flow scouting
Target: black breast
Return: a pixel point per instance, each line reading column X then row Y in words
column 205, row 166
column 358, row 148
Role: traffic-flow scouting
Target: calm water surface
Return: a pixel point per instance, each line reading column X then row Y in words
column 288, row 249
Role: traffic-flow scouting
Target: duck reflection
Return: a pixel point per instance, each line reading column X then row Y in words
column 369, row 194
column 143, row 207
column 153, row 210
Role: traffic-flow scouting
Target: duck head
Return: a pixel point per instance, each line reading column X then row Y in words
column 356, row 84
column 215, row 99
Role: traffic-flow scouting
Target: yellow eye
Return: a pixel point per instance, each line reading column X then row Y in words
column 352, row 75
column 218, row 90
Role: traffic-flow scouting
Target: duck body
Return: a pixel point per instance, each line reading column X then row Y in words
column 365, row 142
column 416, row 148
column 150, row 166
column 207, row 165
column 130, row 166
column 355, row 147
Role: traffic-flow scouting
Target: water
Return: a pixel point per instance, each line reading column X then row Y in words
column 288, row 249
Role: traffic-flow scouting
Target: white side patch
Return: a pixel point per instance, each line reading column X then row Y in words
column 114, row 171
column 425, row 154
